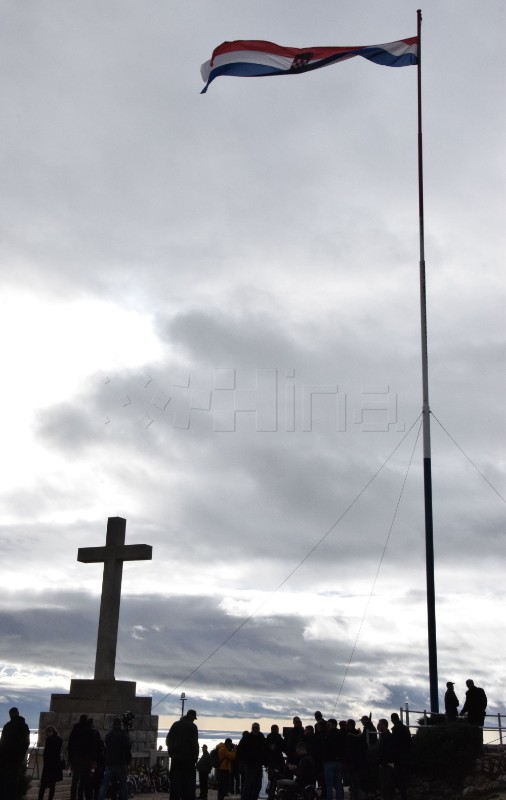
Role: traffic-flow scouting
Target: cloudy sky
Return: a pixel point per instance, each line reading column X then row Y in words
column 210, row 326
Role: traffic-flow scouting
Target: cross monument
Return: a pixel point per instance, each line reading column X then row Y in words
column 112, row 555
column 104, row 697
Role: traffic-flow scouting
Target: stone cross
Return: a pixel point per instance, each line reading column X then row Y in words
column 113, row 555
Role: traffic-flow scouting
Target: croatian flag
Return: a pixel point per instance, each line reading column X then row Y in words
column 250, row 59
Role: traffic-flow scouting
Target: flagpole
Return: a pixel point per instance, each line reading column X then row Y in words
column 427, row 462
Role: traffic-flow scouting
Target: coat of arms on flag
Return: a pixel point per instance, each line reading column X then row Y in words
column 301, row 61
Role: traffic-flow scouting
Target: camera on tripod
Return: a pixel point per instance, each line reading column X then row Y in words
column 127, row 720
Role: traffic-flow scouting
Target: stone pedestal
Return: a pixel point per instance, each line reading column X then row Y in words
column 102, row 700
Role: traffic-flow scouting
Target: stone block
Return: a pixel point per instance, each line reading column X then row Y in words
column 103, row 700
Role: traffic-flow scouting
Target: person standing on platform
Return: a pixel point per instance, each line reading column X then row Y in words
column 183, row 747
column 451, row 702
column 476, row 704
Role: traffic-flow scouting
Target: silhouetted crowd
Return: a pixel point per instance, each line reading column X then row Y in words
column 95, row 763
column 304, row 762
column 98, row 764
column 326, row 755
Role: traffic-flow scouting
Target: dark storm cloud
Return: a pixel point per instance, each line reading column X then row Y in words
column 49, row 624
column 265, row 660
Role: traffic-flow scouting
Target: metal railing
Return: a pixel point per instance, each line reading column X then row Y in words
column 32, row 762
column 496, row 728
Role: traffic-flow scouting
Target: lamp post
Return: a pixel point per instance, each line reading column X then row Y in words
column 183, row 698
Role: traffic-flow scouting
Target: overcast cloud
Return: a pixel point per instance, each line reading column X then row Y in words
column 210, row 327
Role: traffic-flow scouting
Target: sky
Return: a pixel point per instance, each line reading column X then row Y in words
column 210, row 326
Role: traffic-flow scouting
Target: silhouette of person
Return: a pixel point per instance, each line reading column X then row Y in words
column 253, row 751
column 476, row 704
column 292, row 738
column 227, row 754
column 402, row 746
column 333, row 756
column 235, row 775
column 52, row 771
column 304, row 772
column 240, row 761
column 14, row 743
column 356, row 756
column 183, row 746
column 319, row 753
column 369, row 730
column 117, row 757
column 204, row 767
column 275, row 759
column 81, row 752
column 98, row 763
column 386, row 757
column 451, row 702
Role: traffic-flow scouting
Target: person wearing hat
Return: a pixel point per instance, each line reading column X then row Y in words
column 451, row 702
column 183, row 747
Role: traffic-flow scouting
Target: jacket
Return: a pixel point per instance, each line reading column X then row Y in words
column 183, row 740
column 225, row 757
column 117, row 748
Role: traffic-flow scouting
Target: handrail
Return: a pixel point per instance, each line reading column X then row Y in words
column 406, row 711
column 33, row 764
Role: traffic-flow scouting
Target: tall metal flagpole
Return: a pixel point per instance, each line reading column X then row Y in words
column 427, row 468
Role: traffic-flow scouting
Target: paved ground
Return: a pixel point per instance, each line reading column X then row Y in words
column 165, row 796
column 212, row 796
